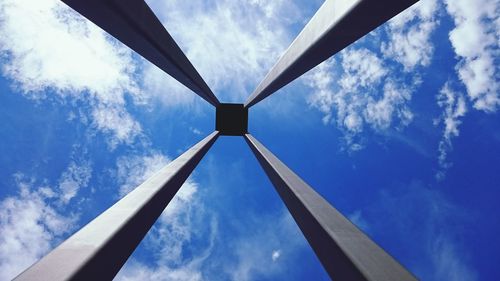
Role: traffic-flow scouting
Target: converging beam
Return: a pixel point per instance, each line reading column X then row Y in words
column 336, row 25
column 135, row 25
column 345, row 251
column 99, row 250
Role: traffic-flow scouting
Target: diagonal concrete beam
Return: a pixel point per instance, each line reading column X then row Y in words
column 135, row 25
column 336, row 25
column 345, row 251
column 99, row 249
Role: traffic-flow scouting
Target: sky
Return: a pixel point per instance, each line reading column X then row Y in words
column 399, row 131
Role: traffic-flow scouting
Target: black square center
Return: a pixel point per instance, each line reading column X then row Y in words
column 231, row 119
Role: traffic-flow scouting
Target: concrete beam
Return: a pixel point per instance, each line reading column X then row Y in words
column 345, row 251
column 336, row 25
column 99, row 249
column 135, row 25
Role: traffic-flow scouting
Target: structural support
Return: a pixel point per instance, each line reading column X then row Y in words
column 99, row 250
column 231, row 119
column 345, row 251
column 336, row 25
column 135, row 25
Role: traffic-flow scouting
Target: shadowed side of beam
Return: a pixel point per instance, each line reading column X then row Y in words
column 135, row 25
column 99, row 249
column 336, row 25
column 345, row 252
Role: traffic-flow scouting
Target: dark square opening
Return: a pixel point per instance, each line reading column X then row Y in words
column 231, row 119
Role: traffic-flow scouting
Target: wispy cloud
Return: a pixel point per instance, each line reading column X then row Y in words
column 136, row 271
column 454, row 108
column 276, row 255
column 366, row 95
column 264, row 252
column 231, row 43
column 450, row 260
column 409, row 35
column 196, row 131
column 132, row 170
column 357, row 218
column 475, row 41
column 187, row 243
column 29, row 226
column 364, row 87
column 362, row 70
column 76, row 176
column 425, row 217
column 183, row 223
column 50, row 52
column 180, row 229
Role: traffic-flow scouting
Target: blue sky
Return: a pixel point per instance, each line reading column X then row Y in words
column 399, row 132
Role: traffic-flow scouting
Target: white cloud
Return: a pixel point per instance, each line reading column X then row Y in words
column 365, row 95
column 28, row 226
column 275, row 255
column 362, row 69
column 475, row 41
column 380, row 113
column 454, row 108
column 50, row 51
column 323, row 98
column 133, row 170
column 367, row 90
column 76, row 176
column 357, row 218
column 117, row 121
column 253, row 249
column 136, row 271
column 409, row 35
column 164, row 88
column 231, row 43
column 195, row 131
